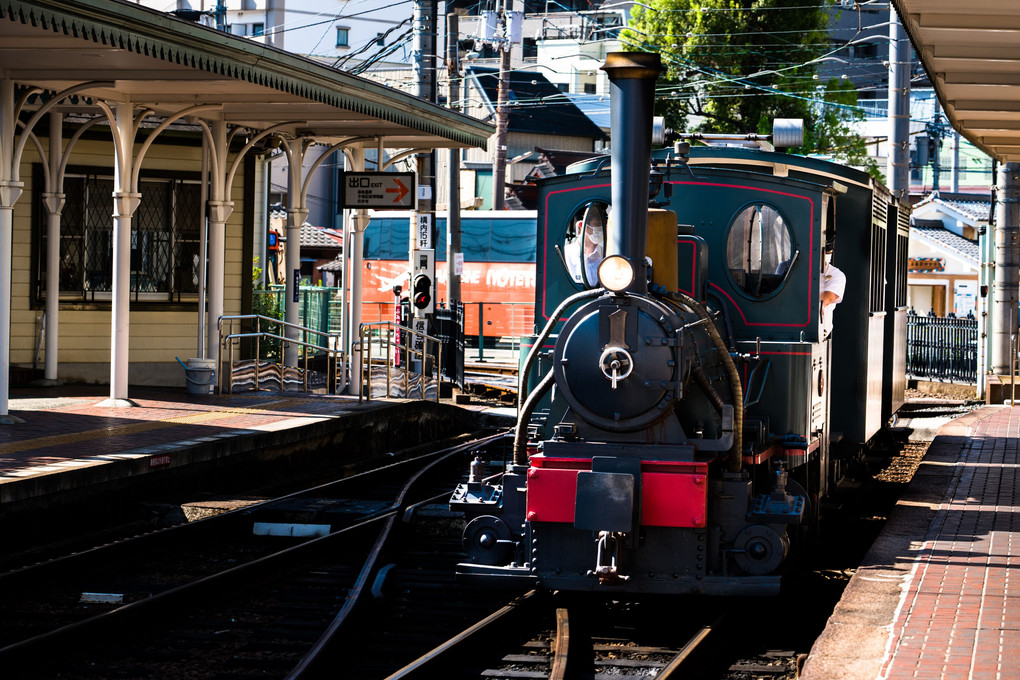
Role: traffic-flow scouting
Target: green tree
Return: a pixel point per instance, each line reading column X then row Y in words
column 268, row 303
column 834, row 130
column 735, row 66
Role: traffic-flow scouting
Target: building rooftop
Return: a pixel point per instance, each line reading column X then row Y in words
column 944, row 238
column 536, row 105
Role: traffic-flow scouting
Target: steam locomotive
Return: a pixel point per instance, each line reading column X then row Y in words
column 683, row 411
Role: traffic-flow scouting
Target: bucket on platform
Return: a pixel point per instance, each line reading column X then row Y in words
column 200, row 375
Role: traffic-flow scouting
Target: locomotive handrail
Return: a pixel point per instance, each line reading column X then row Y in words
column 761, row 385
column 524, row 412
column 598, row 168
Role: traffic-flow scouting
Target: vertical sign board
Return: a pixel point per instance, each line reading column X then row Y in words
column 297, row 285
column 423, row 231
column 397, row 320
column 420, row 327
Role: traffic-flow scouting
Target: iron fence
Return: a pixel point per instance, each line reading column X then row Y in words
column 942, row 348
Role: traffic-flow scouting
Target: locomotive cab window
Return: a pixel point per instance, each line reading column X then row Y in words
column 759, row 250
column 584, row 245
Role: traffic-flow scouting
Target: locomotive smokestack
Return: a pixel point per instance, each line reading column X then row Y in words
column 632, row 77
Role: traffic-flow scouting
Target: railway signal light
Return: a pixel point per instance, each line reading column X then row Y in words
column 421, row 296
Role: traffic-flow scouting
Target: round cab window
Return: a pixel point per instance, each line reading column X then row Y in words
column 584, row 245
column 759, row 250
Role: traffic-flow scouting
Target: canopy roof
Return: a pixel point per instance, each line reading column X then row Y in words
column 971, row 51
column 166, row 64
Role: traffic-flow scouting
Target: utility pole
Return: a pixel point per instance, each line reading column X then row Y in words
column 453, row 181
column 954, row 185
column 220, row 15
column 936, row 131
column 502, row 112
column 898, row 170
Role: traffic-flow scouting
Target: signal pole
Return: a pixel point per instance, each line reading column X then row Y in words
column 423, row 261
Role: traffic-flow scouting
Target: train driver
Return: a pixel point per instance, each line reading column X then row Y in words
column 594, row 252
column 832, row 288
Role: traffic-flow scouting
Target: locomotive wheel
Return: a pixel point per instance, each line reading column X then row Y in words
column 759, row 550
column 487, row 540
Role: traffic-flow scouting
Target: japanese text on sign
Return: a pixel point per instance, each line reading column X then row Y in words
column 423, row 230
column 419, row 340
column 379, row 190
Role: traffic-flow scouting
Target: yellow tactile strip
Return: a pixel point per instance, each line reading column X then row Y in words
column 134, row 428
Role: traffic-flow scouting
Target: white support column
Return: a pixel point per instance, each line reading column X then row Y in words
column 219, row 211
column 359, row 221
column 10, row 192
column 53, row 200
column 125, row 203
column 1007, row 269
column 297, row 213
column 203, row 250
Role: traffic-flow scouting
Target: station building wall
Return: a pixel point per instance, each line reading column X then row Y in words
column 159, row 331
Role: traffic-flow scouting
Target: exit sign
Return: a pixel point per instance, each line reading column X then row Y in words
column 377, row 190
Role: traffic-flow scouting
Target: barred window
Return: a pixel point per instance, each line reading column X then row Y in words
column 164, row 240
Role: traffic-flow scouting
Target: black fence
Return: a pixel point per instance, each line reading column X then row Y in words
column 942, row 348
column 449, row 327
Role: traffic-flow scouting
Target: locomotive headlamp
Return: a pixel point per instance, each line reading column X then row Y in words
column 616, row 273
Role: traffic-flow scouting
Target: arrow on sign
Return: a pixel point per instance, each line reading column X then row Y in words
column 401, row 191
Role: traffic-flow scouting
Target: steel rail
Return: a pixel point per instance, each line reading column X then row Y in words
column 561, row 646
column 677, row 661
column 215, row 585
column 309, row 661
column 427, row 665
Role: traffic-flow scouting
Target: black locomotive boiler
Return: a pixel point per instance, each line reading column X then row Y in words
column 675, row 428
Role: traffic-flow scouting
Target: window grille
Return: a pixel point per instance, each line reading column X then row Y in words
column 164, row 240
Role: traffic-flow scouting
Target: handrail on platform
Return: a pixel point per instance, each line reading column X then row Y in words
column 334, row 354
column 366, row 331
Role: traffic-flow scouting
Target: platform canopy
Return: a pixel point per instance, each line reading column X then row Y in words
column 162, row 63
column 971, row 51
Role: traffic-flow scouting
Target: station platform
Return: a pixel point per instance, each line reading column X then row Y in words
column 69, row 447
column 938, row 594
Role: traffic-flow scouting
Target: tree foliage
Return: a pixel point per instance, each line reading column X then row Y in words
column 734, row 66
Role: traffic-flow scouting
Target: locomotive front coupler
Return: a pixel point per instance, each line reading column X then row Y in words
column 607, row 559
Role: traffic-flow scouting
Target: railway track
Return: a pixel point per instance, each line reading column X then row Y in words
column 570, row 641
column 492, row 381
column 258, row 592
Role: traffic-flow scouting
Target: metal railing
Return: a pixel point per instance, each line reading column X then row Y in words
column 517, row 318
column 942, row 348
column 231, row 340
column 382, row 334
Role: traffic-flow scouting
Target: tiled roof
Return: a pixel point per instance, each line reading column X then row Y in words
column 947, row 239
column 320, row 237
column 978, row 210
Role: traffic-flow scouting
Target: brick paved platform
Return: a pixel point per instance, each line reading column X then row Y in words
column 938, row 595
column 69, row 444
